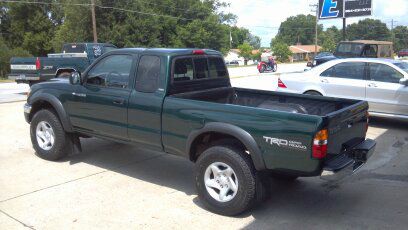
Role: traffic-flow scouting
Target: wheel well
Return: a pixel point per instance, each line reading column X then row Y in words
column 39, row 105
column 208, row 139
column 314, row 91
column 63, row 71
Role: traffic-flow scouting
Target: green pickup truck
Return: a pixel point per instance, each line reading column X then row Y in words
column 74, row 57
column 180, row 101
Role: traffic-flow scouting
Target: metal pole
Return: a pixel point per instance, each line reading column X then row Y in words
column 344, row 20
column 317, row 21
column 95, row 36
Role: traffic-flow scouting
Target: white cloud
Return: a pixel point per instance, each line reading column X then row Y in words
column 263, row 17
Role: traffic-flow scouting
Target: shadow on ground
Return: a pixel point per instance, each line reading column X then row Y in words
column 361, row 200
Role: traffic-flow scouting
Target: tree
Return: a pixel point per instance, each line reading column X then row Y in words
column 245, row 51
column 5, row 55
column 30, row 26
column 401, row 38
column 281, row 51
column 298, row 29
column 368, row 29
column 254, row 41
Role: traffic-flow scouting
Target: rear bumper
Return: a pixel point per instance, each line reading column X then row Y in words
column 348, row 163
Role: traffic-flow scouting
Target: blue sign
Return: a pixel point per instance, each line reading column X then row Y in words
column 329, row 9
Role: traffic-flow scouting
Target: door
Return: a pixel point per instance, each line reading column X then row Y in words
column 146, row 103
column 346, row 80
column 384, row 92
column 104, row 97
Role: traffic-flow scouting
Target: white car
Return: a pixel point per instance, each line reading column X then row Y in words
column 381, row 82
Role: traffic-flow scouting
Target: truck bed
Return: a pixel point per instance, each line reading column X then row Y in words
column 293, row 103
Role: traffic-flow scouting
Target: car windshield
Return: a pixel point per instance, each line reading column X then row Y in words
column 352, row 49
column 403, row 66
column 324, row 54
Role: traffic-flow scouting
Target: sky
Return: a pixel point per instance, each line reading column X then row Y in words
column 263, row 17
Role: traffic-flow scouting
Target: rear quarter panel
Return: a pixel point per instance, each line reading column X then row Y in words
column 182, row 116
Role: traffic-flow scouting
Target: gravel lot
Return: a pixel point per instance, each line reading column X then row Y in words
column 113, row 185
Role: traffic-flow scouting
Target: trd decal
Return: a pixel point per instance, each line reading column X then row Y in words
column 285, row 143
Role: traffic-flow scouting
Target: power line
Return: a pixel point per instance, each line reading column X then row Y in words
column 99, row 6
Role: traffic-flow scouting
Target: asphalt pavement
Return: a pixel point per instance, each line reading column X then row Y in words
column 116, row 186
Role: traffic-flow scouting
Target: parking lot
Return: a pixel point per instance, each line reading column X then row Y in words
column 112, row 185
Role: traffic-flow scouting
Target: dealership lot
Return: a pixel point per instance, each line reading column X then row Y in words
column 112, row 185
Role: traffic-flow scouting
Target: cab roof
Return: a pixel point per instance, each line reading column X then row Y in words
column 166, row 51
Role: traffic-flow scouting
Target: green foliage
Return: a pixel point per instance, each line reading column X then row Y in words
column 245, row 51
column 400, row 38
column 300, row 28
column 368, row 29
column 7, row 53
column 281, row 51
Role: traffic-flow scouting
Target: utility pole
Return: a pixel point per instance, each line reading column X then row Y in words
column 392, row 30
column 95, row 36
column 316, row 6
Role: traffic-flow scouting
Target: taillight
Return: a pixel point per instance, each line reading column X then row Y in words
column 281, row 84
column 37, row 64
column 319, row 149
column 198, row 52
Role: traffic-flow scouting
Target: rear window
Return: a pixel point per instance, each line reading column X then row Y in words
column 196, row 68
column 73, row 48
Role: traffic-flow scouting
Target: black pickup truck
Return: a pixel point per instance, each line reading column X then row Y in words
column 180, row 101
column 74, row 57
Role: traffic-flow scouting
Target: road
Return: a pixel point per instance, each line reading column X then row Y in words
column 112, row 185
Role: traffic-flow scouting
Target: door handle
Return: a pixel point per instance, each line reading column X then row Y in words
column 324, row 81
column 79, row 94
column 118, row 101
column 372, row 85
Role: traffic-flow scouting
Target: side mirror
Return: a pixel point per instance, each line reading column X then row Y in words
column 309, row 64
column 75, row 78
column 404, row 82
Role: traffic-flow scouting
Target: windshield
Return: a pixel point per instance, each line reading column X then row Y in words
column 73, row 48
column 352, row 49
column 403, row 66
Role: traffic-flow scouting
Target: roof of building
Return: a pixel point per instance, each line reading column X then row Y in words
column 297, row 49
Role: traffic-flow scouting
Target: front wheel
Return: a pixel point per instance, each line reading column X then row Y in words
column 262, row 69
column 226, row 180
column 48, row 136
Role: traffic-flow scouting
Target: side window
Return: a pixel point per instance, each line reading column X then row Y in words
column 384, row 73
column 148, row 73
column 328, row 72
column 217, row 67
column 349, row 70
column 183, row 69
column 370, row 51
column 112, row 71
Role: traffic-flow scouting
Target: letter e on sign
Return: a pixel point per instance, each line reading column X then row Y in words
column 329, row 9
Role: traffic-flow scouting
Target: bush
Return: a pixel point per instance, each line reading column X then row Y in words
column 281, row 51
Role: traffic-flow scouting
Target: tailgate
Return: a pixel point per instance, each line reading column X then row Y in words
column 347, row 127
column 23, row 65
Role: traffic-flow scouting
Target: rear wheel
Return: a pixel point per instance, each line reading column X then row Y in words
column 312, row 92
column 275, row 68
column 226, row 180
column 48, row 136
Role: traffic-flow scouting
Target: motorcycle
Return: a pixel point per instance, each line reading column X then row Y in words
column 265, row 67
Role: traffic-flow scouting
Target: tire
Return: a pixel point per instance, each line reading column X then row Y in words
column 275, row 68
column 314, row 93
column 56, row 149
column 262, row 69
column 249, row 184
column 64, row 75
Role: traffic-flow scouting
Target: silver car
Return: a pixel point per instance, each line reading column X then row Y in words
column 381, row 82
